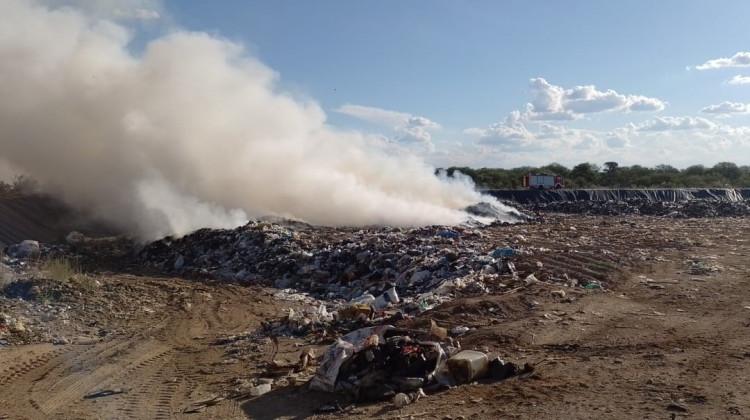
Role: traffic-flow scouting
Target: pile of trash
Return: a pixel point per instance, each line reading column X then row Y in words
column 374, row 267
column 377, row 363
column 697, row 267
column 697, row 208
column 372, row 363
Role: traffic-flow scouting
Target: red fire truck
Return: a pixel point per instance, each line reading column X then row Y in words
column 543, row 181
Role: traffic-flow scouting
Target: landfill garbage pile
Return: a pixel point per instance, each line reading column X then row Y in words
column 364, row 266
column 696, row 208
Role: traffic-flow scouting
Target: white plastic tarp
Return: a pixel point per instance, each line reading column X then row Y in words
column 339, row 352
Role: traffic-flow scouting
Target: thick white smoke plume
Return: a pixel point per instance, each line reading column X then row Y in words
column 191, row 133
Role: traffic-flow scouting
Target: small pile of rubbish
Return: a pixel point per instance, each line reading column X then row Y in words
column 695, row 208
column 697, row 267
column 382, row 362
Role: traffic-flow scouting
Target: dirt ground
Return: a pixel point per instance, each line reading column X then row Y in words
column 663, row 340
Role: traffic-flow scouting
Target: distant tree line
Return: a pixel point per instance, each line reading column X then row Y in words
column 612, row 175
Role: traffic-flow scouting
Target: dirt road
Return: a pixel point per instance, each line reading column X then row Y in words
column 667, row 339
column 161, row 365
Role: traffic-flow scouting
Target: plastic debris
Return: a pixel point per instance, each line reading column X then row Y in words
column 460, row 330
column 503, row 252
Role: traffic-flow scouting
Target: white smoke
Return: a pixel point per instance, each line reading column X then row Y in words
column 191, row 133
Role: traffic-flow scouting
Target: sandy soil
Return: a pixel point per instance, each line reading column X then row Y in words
column 658, row 343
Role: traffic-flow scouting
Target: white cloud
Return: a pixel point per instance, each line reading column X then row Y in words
column 139, row 14
column 374, row 115
column 739, row 80
column 553, row 103
column 676, row 123
column 678, row 141
column 508, row 134
column 514, row 136
column 119, row 10
column 411, row 129
column 741, row 59
column 503, row 135
column 617, row 141
column 386, row 117
column 727, row 108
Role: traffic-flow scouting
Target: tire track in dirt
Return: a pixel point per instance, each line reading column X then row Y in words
column 164, row 366
column 88, row 373
column 227, row 310
column 36, row 372
column 17, row 364
column 149, row 395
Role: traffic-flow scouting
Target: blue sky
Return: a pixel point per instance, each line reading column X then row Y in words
column 505, row 83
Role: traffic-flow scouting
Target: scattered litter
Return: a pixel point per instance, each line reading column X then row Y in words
column 503, row 252
column 106, row 393
column 697, row 267
column 468, row 365
column 558, row 293
column 260, row 390
column 200, row 406
column 401, row 399
column 460, row 330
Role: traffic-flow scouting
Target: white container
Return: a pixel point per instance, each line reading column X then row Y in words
column 468, row 365
column 260, row 390
column 388, row 296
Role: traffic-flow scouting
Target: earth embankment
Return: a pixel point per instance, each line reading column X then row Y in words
column 42, row 218
column 657, row 195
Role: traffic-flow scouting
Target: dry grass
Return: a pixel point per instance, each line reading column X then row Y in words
column 60, row 269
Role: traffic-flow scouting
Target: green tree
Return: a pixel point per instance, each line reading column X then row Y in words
column 728, row 170
column 611, row 167
column 585, row 175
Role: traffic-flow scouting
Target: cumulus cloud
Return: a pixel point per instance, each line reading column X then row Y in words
column 192, row 133
column 739, row 80
column 676, row 123
column 653, row 142
column 727, row 108
column 741, row 59
column 617, row 140
column 508, row 134
column 410, row 128
column 551, row 103
column 513, row 136
column 554, row 103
